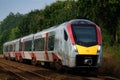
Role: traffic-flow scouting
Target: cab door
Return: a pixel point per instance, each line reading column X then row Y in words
column 66, row 46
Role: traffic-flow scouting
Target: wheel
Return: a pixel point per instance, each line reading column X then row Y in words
column 12, row 58
column 20, row 59
column 47, row 64
column 52, row 65
column 58, row 65
column 33, row 61
column 16, row 59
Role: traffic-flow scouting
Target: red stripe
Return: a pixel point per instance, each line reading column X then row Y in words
column 33, row 55
column 46, row 51
column 18, row 54
column 99, row 35
column 55, row 57
column 70, row 33
column 22, row 54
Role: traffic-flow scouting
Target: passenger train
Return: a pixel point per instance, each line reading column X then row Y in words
column 74, row 44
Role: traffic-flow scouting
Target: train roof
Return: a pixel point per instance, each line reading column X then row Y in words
column 16, row 40
column 29, row 37
column 74, row 21
column 8, row 43
column 46, row 30
column 81, row 21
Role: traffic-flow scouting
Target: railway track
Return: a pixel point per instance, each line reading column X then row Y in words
column 29, row 72
column 23, row 74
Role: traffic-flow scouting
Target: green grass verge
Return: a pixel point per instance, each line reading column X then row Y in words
column 111, row 62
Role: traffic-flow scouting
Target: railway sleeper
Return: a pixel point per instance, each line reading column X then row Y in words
column 34, row 61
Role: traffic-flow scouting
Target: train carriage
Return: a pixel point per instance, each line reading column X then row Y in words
column 9, row 50
column 18, row 50
column 6, row 49
column 27, row 47
column 76, row 43
column 85, row 50
column 44, row 46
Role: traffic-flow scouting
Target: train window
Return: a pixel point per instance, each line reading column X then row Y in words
column 20, row 46
column 28, row 45
column 85, row 35
column 39, row 44
column 42, row 41
column 65, row 35
column 51, row 43
column 11, row 47
column 6, row 48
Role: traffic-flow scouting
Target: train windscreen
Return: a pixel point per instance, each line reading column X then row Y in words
column 85, row 35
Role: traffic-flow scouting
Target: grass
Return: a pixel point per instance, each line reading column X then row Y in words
column 112, row 50
column 111, row 66
column 111, row 62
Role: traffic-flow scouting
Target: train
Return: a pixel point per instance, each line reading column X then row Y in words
column 75, row 44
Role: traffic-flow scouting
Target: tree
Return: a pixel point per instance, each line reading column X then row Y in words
column 6, row 26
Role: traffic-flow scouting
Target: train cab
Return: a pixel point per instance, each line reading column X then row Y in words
column 86, row 42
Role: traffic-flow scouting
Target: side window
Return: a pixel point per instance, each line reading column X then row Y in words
column 42, row 41
column 51, row 43
column 28, row 45
column 36, row 44
column 39, row 44
column 7, row 48
column 11, row 47
column 20, row 46
column 65, row 35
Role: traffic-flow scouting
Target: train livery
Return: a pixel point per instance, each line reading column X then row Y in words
column 76, row 43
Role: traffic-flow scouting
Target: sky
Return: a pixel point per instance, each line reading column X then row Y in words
column 21, row 6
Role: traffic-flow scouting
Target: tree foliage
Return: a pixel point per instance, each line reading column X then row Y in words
column 8, row 26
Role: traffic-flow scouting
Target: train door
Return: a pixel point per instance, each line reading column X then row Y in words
column 27, row 44
column 39, row 44
column 13, row 51
column 51, row 41
column 27, row 49
column 65, row 46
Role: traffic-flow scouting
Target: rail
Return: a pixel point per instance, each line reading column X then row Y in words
column 14, row 70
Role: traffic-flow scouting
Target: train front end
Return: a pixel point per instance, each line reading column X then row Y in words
column 86, row 42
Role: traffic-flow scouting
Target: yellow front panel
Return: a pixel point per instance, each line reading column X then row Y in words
column 87, row 50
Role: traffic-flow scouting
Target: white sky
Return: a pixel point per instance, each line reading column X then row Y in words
column 21, row 6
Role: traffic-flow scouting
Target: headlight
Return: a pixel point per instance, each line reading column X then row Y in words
column 75, row 49
column 100, row 57
column 99, row 49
